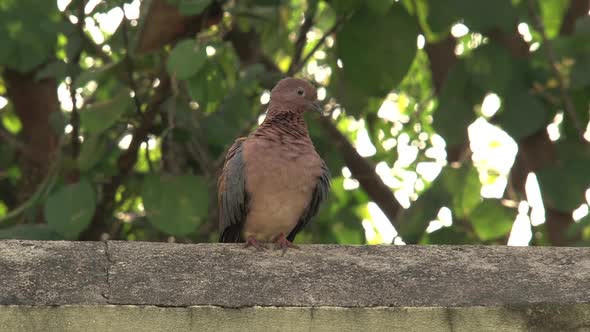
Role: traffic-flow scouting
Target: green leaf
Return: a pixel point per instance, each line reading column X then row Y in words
column 99, row 117
column 7, row 158
column 58, row 122
column 3, row 209
column 577, row 228
column 378, row 7
column 465, row 187
column 582, row 25
column 455, row 108
column 552, row 13
column 347, row 235
column 448, row 235
column 193, row 7
column 492, row 68
column 29, row 232
column 91, row 152
column 477, row 15
column 207, row 88
column 236, row 110
column 69, row 210
column 186, row 59
column 492, row 220
column 377, row 50
column 74, row 45
column 344, row 7
column 54, row 69
column 190, row 7
column 175, row 204
column 11, row 122
column 580, row 76
column 415, row 220
column 581, row 101
column 483, row 15
column 28, row 33
column 354, row 100
column 576, row 45
column 441, row 16
column 97, row 74
column 563, row 185
column 522, row 115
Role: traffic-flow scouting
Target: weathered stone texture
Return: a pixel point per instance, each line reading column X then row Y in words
column 129, row 286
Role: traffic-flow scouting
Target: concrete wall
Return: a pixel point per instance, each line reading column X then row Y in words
column 135, row 286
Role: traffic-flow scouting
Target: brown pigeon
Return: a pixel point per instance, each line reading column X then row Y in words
column 273, row 181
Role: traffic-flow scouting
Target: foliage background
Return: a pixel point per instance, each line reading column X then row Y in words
column 449, row 122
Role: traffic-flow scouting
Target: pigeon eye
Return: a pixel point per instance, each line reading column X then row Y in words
column 300, row 91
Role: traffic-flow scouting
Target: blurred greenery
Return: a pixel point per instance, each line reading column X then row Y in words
column 116, row 115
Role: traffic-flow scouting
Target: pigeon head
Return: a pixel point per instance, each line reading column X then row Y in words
column 295, row 94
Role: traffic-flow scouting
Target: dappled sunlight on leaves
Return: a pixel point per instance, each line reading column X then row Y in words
column 378, row 230
column 493, row 155
column 457, row 107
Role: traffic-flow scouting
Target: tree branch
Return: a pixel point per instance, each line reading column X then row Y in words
column 164, row 24
column 569, row 107
column 442, row 59
column 248, row 48
column 536, row 151
column 129, row 66
column 364, row 172
column 126, row 161
column 577, row 9
column 296, row 68
column 75, row 117
column 513, row 42
column 37, row 133
column 302, row 36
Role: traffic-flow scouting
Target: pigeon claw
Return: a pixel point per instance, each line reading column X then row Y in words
column 284, row 244
column 252, row 242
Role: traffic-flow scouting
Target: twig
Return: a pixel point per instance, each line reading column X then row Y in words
column 333, row 29
column 539, row 90
column 130, row 69
column 75, row 117
column 570, row 109
column 43, row 189
column 577, row 9
column 127, row 160
column 249, row 15
column 88, row 44
column 172, row 162
column 302, row 36
column 422, row 106
column 148, row 158
column 129, row 63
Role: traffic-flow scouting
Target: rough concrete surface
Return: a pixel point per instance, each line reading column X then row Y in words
column 72, row 286
column 52, row 273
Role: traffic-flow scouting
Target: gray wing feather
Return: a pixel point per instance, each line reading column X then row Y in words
column 319, row 195
column 232, row 195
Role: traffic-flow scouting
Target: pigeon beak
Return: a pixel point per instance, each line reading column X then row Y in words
column 316, row 106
